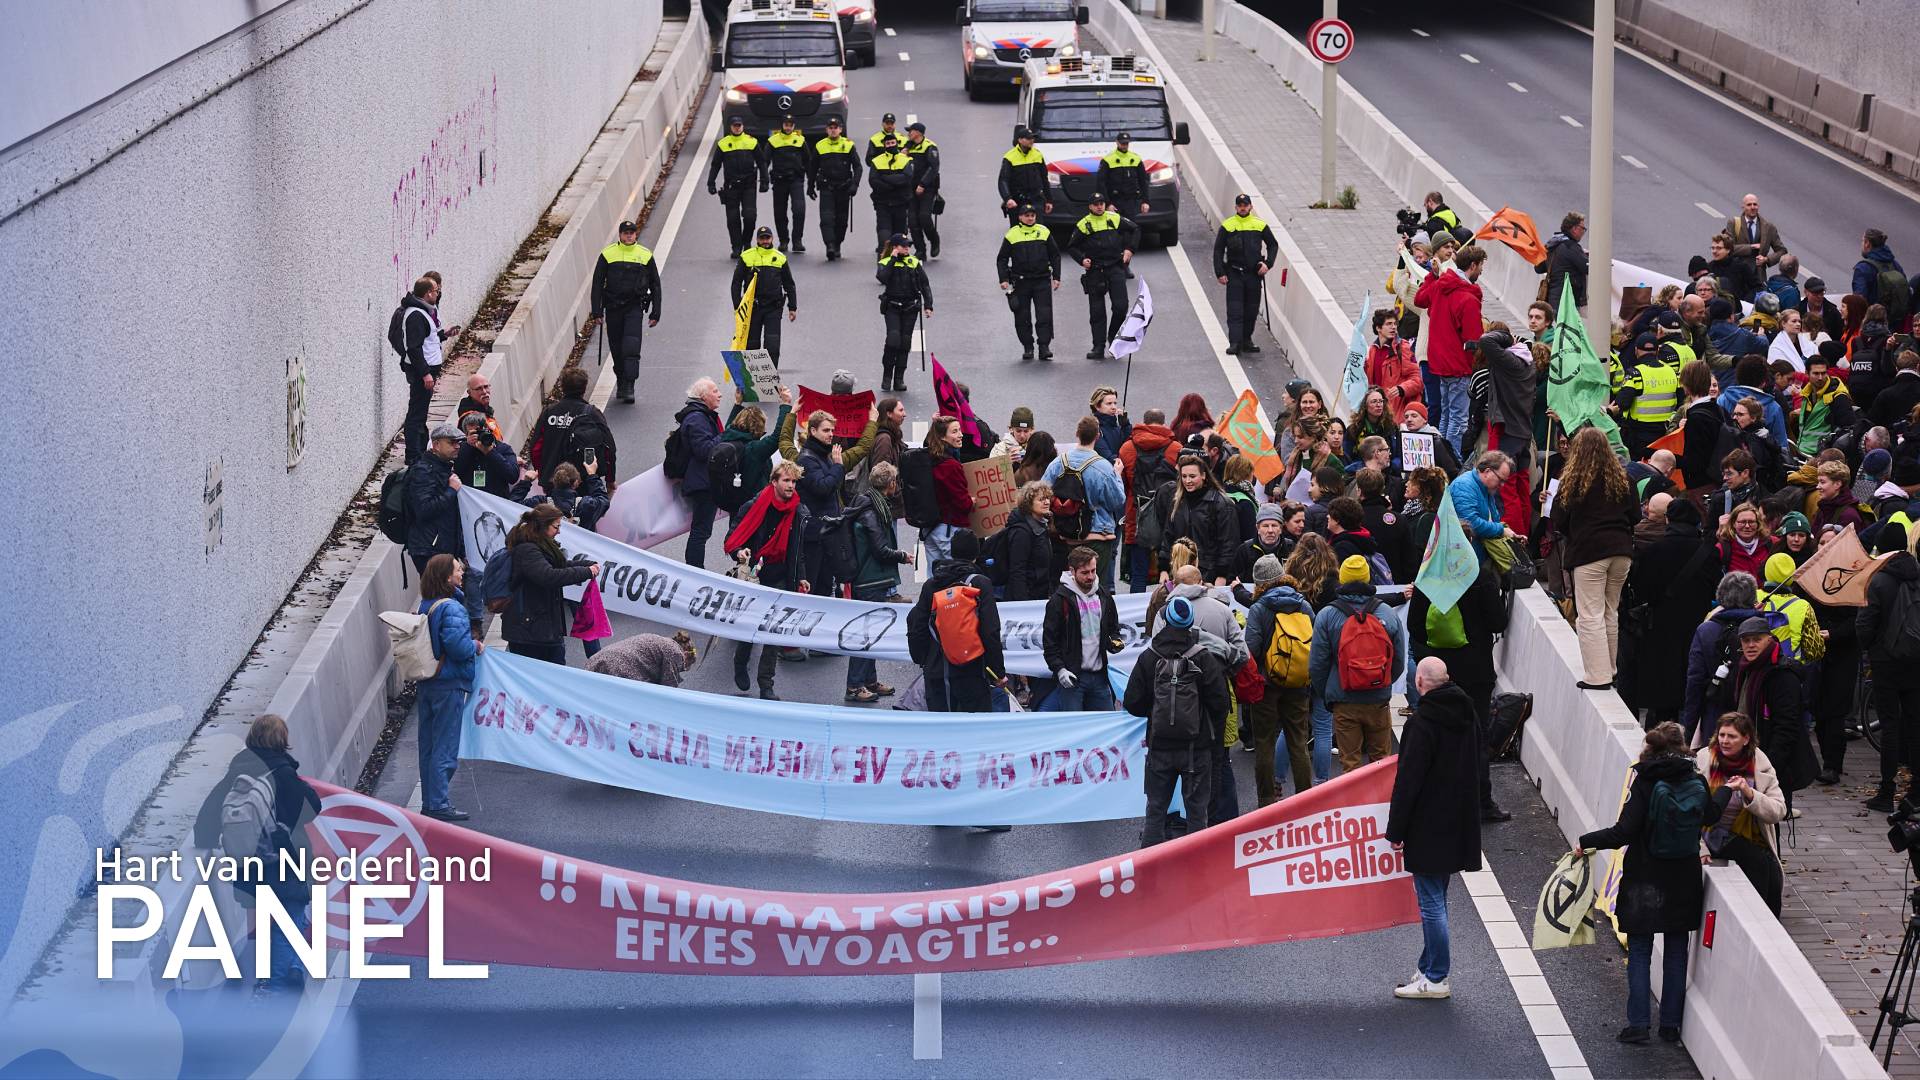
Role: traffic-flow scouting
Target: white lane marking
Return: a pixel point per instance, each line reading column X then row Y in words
column 926, row 1017
column 909, row 86
column 1763, row 120
column 1210, row 323
column 1470, row 58
column 889, row 31
column 917, row 432
column 1708, row 210
column 1522, row 969
column 904, row 58
column 1633, row 161
column 1517, row 88
column 1571, row 121
column 1419, row 31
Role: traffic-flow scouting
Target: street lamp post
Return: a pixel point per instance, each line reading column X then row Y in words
column 1329, row 104
column 1600, row 184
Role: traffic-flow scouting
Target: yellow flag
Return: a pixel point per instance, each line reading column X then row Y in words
column 742, row 312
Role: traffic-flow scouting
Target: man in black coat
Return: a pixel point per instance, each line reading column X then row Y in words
column 1080, row 628
column 1896, row 685
column 1433, row 820
column 433, row 500
column 1483, row 614
column 1171, row 755
column 968, row 686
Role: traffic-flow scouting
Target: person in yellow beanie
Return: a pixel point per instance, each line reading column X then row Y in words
column 1800, row 636
column 1353, row 663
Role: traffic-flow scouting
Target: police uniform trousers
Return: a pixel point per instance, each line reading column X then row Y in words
column 900, row 318
column 834, row 204
column 623, row 329
column 743, row 212
column 1243, row 304
column 763, row 328
column 926, row 226
column 1032, row 304
column 1638, row 435
column 1106, row 288
column 890, row 218
column 790, row 197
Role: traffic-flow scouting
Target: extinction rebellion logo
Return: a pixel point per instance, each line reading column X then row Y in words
column 1345, row 846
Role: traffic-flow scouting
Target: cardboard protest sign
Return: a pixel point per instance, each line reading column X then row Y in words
column 990, row 482
column 753, row 372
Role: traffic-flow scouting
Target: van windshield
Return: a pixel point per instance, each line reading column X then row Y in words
column 1098, row 114
column 783, row 44
column 1023, row 10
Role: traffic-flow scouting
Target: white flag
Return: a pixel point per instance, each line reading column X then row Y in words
column 1133, row 332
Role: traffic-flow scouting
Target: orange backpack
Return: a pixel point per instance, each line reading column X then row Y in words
column 956, row 623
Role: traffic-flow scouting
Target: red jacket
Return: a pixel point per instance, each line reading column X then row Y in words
column 1453, row 306
column 1146, row 438
column 1388, row 368
column 950, row 488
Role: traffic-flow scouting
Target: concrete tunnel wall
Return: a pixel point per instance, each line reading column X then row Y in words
column 167, row 252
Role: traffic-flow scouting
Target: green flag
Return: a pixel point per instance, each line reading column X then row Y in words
column 1577, row 385
column 1450, row 564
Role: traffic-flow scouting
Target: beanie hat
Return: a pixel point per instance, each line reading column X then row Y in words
column 1414, row 408
column 1420, row 239
column 1794, row 522
column 1696, row 266
column 1891, row 537
column 965, row 545
column 1266, row 568
column 1720, row 309
column 1022, row 418
column 1355, row 571
column 842, row 382
column 1269, row 512
column 1877, row 462
column 1779, row 567
column 1180, row 612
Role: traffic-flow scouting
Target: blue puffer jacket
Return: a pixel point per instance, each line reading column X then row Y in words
column 1324, row 672
column 453, row 642
column 1261, row 615
column 1478, row 508
column 1735, row 340
column 1103, row 486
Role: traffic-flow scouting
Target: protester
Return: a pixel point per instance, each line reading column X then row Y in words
column 1668, row 593
column 1594, row 514
column 1269, row 531
column 877, row 562
column 1452, row 299
column 1714, row 645
column 1080, row 627
column 537, row 618
column 584, row 502
column 483, row 459
column 1146, row 462
column 1462, row 638
column 771, row 536
column 1115, row 427
column 1193, row 506
column 1896, row 681
column 1474, row 499
column 1747, row 805
column 433, row 500
column 946, row 482
column 1354, row 667
column 1431, row 819
column 1279, row 636
column 647, row 658
column 1825, row 406
column 1743, row 542
column 753, row 446
column 1029, row 545
column 1391, row 367
column 573, row 429
column 1181, row 688
column 953, row 631
column 1662, row 889
column 1099, row 504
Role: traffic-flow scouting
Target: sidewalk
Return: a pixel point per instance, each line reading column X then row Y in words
column 1279, row 144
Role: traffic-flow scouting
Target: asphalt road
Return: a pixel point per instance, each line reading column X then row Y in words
column 1321, row 1008
column 1676, row 148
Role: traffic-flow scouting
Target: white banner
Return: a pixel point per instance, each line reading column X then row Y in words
column 1133, row 330
column 671, row 593
column 646, row 510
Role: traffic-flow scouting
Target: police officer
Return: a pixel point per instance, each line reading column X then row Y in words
column 877, row 142
column 1243, row 251
column 1675, row 349
column 1102, row 243
column 926, row 190
column 738, row 155
column 763, row 264
column 1023, row 176
column 787, row 164
column 626, row 282
column 1029, row 268
column 905, row 293
column 833, row 175
column 890, row 183
column 1123, row 176
column 1649, row 396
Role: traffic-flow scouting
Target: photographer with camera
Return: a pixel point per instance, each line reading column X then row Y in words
column 485, row 461
column 1440, row 218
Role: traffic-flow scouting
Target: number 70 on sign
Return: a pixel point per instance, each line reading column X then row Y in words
column 1330, row 41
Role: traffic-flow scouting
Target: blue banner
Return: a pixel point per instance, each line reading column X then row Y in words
column 817, row 761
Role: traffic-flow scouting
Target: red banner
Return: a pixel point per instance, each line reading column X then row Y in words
column 850, row 412
column 1313, row 865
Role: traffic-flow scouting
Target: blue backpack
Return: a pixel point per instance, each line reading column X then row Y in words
column 496, row 582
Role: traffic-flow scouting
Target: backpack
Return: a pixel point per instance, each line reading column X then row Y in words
column 956, row 623
column 249, row 825
column 1904, row 646
column 1382, row 573
column 679, row 454
column 415, row 654
column 1364, row 657
column 397, row 329
column 1176, row 715
column 1675, row 817
column 724, row 475
column 496, row 582
column 1287, row 649
column 1072, row 513
column 1895, row 293
column 996, row 554
column 918, row 501
column 394, row 513
column 1150, row 470
column 1507, row 716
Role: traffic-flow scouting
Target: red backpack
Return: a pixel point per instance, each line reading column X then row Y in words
column 1365, row 653
column 956, row 623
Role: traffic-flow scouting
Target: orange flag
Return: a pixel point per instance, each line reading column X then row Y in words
column 1516, row 230
column 1676, row 441
column 1241, row 427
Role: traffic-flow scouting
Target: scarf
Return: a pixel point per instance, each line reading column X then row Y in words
column 1748, row 546
column 1736, row 819
column 775, row 548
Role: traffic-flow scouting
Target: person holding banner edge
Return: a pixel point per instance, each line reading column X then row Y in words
column 771, row 534
column 953, row 632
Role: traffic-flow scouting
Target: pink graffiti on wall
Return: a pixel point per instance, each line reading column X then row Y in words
column 457, row 162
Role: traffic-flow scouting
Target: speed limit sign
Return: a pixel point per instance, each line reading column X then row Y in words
column 1330, row 41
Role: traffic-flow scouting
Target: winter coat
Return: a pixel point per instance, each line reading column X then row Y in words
column 1565, row 258
column 1115, row 430
column 1483, row 613
column 1262, row 613
column 1479, row 509
column 1146, row 439
column 819, row 485
column 700, row 429
column 1322, row 666
column 1060, row 629
column 295, row 805
column 1771, row 691
column 1205, row 517
column 1701, row 430
column 1166, row 647
column 453, row 643
column 1769, row 803
column 1104, row 494
column 1510, row 402
column 1771, row 414
column 647, row 658
column 1029, row 557
column 1675, row 581
column 1709, row 643
column 1453, row 306
column 586, row 504
column 1597, row 525
column 1896, row 402
column 1842, row 510
column 1248, row 553
column 951, row 493
column 1879, row 621
column 756, row 455
column 1394, row 366
column 1656, row 895
column 875, row 540
column 499, row 462
column 1212, row 615
column 1866, row 272
column 1435, row 810
column 537, row 614
column 433, row 509
column 924, row 648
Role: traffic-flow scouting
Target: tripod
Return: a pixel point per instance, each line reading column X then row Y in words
column 1896, row 1004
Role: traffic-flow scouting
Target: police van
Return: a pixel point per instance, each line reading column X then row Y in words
column 779, row 57
column 998, row 37
column 857, row 28
column 1076, row 106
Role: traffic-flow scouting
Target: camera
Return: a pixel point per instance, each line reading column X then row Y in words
column 1410, row 220
column 1903, row 833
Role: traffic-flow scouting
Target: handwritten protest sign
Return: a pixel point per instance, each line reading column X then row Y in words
column 990, row 482
column 753, row 372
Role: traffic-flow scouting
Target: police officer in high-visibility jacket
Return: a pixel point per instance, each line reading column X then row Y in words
column 787, row 166
column 877, row 142
column 833, row 174
column 1123, row 176
column 766, row 266
column 1029, row 267
column 1102, row 242
column 1675, row 348
column 926, row 190
column 905, row 293
column 1243, row 251
column 1023, row 176
column 1649, row 396
column 890, row 184
column 626, row 284
column 737, row 155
